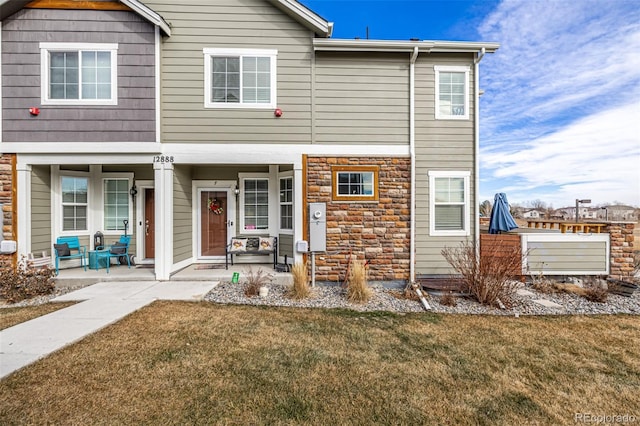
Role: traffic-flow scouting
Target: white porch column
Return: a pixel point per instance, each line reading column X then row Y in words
column 24, row 208
column 163, row 176
column 298, row 209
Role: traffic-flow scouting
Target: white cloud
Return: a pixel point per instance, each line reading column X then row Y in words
column 560, row 113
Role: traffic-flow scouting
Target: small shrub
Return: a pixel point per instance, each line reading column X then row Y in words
column 448, row 299
column 594, row 291
column 490, row 280
column 543, row 284
column 300, row 288
column 357, row 289
column 255, row 280
column 25, row 283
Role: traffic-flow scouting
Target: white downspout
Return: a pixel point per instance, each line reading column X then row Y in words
column 476, row 78
column 412, row 153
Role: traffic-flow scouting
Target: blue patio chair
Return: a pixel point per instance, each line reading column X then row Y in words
column 120, row 249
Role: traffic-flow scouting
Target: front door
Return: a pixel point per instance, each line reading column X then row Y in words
column 213, row 223
column 149, row 224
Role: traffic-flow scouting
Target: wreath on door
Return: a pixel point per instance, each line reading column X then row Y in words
column 215, row 206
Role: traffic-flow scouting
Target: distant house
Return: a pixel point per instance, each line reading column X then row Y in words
column 533, row 214
column 618, row 212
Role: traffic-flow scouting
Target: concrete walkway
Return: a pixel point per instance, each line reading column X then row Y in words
column 101, row 304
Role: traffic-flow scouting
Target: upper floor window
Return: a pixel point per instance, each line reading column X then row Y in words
column 452, row 92
column 79, row 73
column 449, row 203
column 355, row 183
column 239, row 78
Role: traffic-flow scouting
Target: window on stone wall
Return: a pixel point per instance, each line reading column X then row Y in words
column 354, row 183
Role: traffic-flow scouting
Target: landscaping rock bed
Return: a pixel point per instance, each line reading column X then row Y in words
column 390, row 300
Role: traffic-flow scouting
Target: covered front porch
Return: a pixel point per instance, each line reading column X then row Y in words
column 78, row 277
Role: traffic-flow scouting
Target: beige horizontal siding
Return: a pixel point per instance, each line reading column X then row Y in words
column 588, row 256
column 253, row 24
column 41, row 209
column 182, row 214
column 362, row 98
column 446, row 145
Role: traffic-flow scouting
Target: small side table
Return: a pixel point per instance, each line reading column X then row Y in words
column 98, row 258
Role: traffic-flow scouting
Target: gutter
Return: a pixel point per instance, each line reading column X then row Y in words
column 412, row 154
column 350, row 45
column 476, row 77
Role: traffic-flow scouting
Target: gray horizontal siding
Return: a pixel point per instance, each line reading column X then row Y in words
column 253, row 24
column 440, row 145
column 132, row 120
column 361, row 98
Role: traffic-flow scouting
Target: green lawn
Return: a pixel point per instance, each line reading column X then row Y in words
column 182, row 363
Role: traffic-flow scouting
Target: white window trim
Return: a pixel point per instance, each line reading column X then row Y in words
column 45, row 48
column 432, row 203
column 287, row 175
column 272, row 54
column 443, row 68
column 242, row 177
column 58, row 205
column 111, row 176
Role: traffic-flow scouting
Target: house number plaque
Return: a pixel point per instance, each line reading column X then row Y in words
column 163, row 159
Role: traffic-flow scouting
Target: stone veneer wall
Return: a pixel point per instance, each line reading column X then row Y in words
column 377, row 231
column 7, row 167
column 622, row 239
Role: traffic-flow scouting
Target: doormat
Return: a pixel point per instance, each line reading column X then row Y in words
column 209, row 266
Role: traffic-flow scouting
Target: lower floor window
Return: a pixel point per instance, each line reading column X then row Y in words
column 355, row 183
column 449, row 202
column 74, row 203
column 256, row 204
column 116, row 204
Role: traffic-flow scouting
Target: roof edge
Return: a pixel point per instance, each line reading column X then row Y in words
column 149, row 14
column 356, row 45
column 9, row 7
column 304, row 15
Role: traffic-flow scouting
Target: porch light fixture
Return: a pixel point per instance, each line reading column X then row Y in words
column 133, row 192
column 236, row 191
column 578, row 202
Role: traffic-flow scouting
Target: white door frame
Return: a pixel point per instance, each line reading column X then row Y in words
column 199, row 186
column 141, row 185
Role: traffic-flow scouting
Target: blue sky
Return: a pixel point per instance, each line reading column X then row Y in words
column 560, row 116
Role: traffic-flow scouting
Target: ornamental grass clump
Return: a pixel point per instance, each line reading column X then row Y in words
column 357, row 289
column 300, row 288
column 255, row 280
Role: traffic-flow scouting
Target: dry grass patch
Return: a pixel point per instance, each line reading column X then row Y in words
column 184, row 363
column 12, row 316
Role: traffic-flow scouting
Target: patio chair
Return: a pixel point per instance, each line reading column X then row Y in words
column 120, row 250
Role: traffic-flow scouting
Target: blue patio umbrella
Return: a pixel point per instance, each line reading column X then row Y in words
column 501, row 219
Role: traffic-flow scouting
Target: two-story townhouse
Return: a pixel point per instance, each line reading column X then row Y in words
column 262, row 113
column 80, row 110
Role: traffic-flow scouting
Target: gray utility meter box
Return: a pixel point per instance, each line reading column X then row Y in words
column 317, row 227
